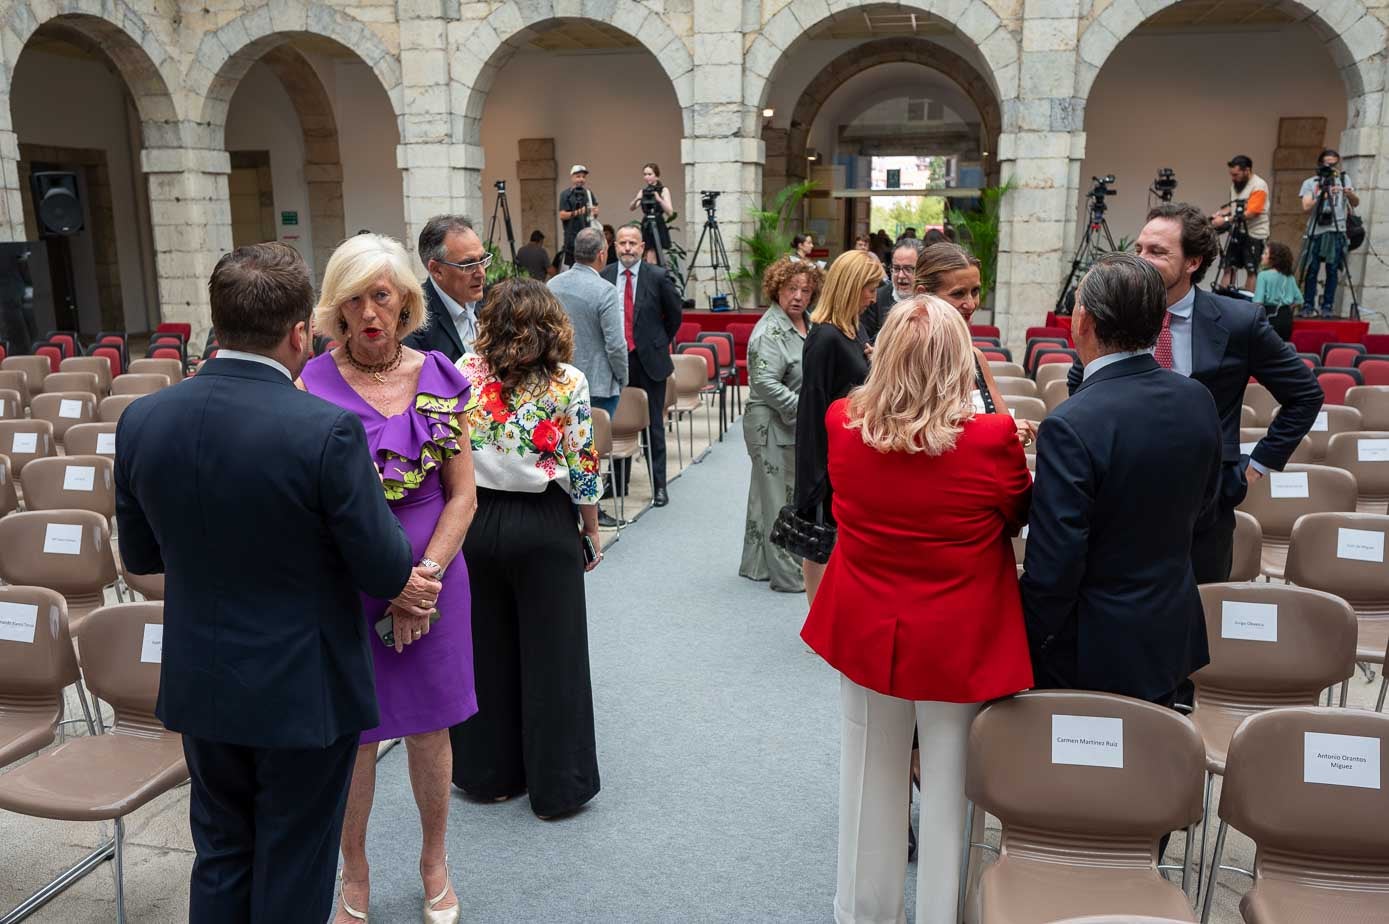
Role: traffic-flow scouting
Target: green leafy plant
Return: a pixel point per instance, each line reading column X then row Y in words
column 500, row 268
column 770, row 239
column 978, row 230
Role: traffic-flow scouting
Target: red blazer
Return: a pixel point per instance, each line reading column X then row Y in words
column 920, row 598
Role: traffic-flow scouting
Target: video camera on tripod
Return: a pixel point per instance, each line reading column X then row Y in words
column 1099, row 192
column 1165, row 184
column 725, row 296
column 1096, row 230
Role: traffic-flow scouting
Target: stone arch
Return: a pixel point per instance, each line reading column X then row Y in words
column 1354, row 36
column 224, row 56
column 976, row 20
column 892, row 51
column 478, row 51
column 127, row 41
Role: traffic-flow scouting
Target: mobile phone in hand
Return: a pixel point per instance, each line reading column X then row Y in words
column 590, row 553
column 385, row 628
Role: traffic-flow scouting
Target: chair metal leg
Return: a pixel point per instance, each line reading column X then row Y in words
column 1205, row 826
column 1186, row 867
column 1383, row 688
column 964, row 862
column 1215, row 872
column 86, row 709
column 119, row 856
column 679, row 450
column 1345, row 692
column 1367, row 670
column 55, row 888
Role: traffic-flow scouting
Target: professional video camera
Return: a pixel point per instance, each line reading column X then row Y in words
column 650, row 201
column 1100, row 191
column 1165, row 184
column 707, row 198
column 500, row 186
column 1326, row 172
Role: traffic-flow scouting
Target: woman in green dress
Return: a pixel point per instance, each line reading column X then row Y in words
column 769, row 419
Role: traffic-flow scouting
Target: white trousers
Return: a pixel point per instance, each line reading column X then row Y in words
column 874, row 799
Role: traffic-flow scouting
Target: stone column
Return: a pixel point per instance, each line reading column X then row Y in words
column 1360, row 154
column 190, row 211
column 533, row 205
column 11, row 196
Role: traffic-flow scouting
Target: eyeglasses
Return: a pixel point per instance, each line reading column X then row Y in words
column 898, row 268
column 472, row 266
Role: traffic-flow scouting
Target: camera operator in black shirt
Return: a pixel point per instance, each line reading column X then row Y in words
column 578, row 209
column 656, row 209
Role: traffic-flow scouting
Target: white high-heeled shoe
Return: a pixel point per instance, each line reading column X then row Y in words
column 342, row 900
column 434, row 915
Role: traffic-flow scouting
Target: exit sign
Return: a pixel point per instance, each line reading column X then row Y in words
column 894, row 179
column 289, row 218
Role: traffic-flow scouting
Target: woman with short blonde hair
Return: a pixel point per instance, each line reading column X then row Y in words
column 919, row 608
column 356, row 264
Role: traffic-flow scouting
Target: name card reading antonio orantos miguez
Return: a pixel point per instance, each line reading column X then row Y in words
column 152, row 646
column 1087, row 741
column 1360, row 544
column 1253, row 622
column 1340, row 760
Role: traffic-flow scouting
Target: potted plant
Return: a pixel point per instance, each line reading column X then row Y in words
column 978, row 230
column 769, row 240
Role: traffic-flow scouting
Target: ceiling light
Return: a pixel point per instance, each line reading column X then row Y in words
column 768, row 113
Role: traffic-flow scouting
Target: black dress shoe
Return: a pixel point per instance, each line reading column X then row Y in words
column 660, row 498
column 608, row 520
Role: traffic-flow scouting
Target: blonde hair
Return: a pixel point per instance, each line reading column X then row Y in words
column 919, row 387
column 841, row 299
column 354, row 266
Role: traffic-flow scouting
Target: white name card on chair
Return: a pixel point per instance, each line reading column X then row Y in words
column 1360, row 544
column 17, row 622
column 70, row 408
column 63, row 539
column 25, row 442
column 1087, row 741
column 1340, row 760
column 106, row 444
column 79, row 477
column 1321, row 424
column 1253, row 622
column 152, row 648
column 1287, row 484
column 1372, row 450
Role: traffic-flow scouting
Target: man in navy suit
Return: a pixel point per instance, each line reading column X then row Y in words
column 457, row 263
column 1221, row 343
column 1126, row 471
column 261, row 506
column 651, row 312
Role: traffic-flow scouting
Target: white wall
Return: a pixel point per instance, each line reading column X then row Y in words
column 1206, row 97
column 611, row 112
column 92, row 114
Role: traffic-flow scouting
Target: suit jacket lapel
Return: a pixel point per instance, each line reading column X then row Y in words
column 1208, row 337
column 442, row 319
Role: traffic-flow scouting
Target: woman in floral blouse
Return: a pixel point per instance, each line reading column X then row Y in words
column 532, row 437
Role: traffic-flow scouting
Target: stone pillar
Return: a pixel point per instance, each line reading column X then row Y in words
column 1360, row 154
column 190, row 211
column 11, row 196
column 1039, row 153
column 534, row 204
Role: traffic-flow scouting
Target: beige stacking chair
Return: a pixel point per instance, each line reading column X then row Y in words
column 1302, row 455
column 1003, row 367
column 1328, row 489
column 138, row 383
column 1081, row 839
column 1054, row 393
column 691, row 376
column 71, row 482
column 1051, row 372
column 1322, row 849
column 171, row 369
column 11, row 405
column 64, row 550
column 629, row 426
column 1339, row 419
column 1366, row 456
column 1248, row 561
column 9, row 497
column 91, row 438
column 1372, row 401
column 151, row 586
column 34, row 672
column 1262, row 402
column 1025, row 408
column 25, row 440
column 64, row 409
column 35, row 368
column 602, row 446
column 1010, row 385
column 111, row 408
column 1248, row 417
column 17, row 381
column 105, row 777
column 73, row 381
column 99, row 366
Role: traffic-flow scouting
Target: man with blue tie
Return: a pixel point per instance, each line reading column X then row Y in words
column 457, row 263
column 1222, row 342
column 261, row 506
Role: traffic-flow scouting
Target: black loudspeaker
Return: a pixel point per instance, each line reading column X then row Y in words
column 57, row 204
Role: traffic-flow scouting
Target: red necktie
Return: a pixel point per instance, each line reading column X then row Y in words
column 1163, row 351
column 627, row 303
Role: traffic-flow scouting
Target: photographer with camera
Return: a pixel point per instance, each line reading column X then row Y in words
column 656, row 209
column 1245, row 216
column 578, row 209
column 1331, row 195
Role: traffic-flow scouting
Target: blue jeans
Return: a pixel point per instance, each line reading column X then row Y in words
column 1314, row 265
column 607, row 404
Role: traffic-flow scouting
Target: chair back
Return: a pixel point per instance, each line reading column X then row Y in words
column 1365, row 454
column 63, row 409
column 742, row 333
column 1025, row 408
column 1341, row 354
column 1016, row 385
column 1273, row 645
column 722, row 342
column 706, row 350
column 65, row 341
column 1248, row 417
column 1044, row 356
column 1029, row 359
column 984, row 330
column 1372, row 401
column 1249, row 547
column 122, row 647
column 11, row 405
column 71, row 483
column 36, row 656
column 1249, row 437
column 73, row 381
column 687, row 332
column 1343, row 554
column 633, row 414
column 91, row 439
column 691, row 373
column 602, row 445
column 17, row 381
column 1374, row 371
column 96, row 365
column 1055, row 392
column 52, row 353
column 1332, row 419
column 1007, row 368
column 1336, row 382
column 151, row 586
column 171, row 368
column 1279, row 498
column 182, row 328
column 113, row 356
column 36, row 368
column 1311, row 341
column 9, row 498
column 1051, row 372
column 1300, row 783
column 113, row 406
column 26, row 440
column 672, row 394
column 138, row 383
column 65, row 550
column 1262, row 401
column 1089, row 777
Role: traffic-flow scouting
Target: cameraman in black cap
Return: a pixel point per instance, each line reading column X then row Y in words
column 1329, row 192
column 1245, row 216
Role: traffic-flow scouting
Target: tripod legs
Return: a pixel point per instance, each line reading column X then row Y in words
column 718, row 261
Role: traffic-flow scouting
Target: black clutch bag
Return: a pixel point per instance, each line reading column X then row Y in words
column 803, row 538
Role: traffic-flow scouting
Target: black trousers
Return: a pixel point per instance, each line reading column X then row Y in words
column 266, row 823
column 1213, row 545
column 534, row 726
column 656, row 404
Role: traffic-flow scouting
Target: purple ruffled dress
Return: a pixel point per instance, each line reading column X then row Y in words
column 429, row 686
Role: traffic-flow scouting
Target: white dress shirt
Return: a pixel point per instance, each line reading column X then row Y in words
column 621, row 281
column 255, row 358
column 1180, row 326
column 464, row 317
column 1108, row 359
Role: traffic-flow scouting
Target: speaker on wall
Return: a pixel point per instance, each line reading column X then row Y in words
column 57, row 202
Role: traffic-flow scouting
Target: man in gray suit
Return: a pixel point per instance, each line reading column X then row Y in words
column 600, row 343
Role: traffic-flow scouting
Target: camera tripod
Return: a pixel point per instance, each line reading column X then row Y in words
column 718, row 261
column 1239, row 234
column 501, row 207
column 1311, row 239
column 1086, row 250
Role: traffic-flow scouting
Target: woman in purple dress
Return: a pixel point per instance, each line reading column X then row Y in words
column 411, row 405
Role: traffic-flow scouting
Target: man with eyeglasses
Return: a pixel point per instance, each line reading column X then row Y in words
column 899, row 287
column 457, row 263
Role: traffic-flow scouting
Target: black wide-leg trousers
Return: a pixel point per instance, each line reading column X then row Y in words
column 534, row 726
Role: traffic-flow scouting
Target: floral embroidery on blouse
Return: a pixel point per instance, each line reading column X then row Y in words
column 437, row 416
column 552, row 431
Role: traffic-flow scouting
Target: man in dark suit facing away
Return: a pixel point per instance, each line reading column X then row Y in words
column 1223, row 342
column 261, row 506
column 651, row 318
column 1127, row 471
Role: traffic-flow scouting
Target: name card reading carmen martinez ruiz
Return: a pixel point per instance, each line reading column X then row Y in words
column 1087, row 741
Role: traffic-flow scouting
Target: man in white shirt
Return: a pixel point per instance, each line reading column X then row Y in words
column 457, row 263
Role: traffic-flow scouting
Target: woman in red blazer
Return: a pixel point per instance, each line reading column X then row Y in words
column 919, row 608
